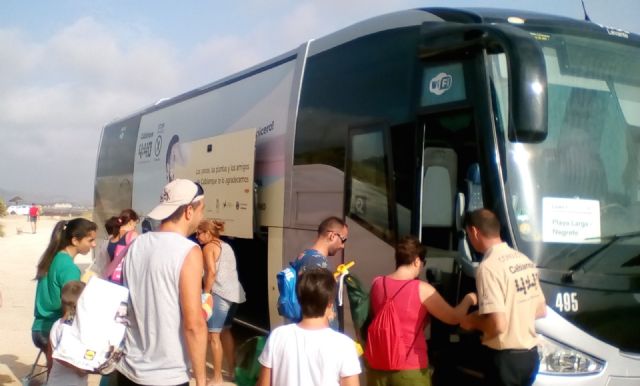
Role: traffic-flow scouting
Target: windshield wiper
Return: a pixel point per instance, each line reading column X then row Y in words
column 568, row 277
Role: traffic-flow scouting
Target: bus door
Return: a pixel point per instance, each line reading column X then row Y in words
column 450, row 114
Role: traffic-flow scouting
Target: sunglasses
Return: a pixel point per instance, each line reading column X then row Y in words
column 342, row 239
column 199, row 192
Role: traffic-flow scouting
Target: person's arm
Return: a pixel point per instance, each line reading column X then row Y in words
column 439, row 307
column 352, row 380
column 491, row 318
column 211, row 255
column 264, row 379
column 541, row 308
column 491, row 325
column 266, row 359
column 193, row 325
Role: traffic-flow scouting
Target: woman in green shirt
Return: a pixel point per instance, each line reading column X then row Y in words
column 55, row 269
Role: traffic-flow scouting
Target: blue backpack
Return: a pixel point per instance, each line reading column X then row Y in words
column 288, row 305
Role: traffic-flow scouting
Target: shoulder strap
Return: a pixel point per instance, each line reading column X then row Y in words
column 384, row 286
column 116, row 261
column 298, row 262
column 128, row 237
column 219, row 260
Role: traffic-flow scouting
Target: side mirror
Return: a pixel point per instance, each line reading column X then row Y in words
column 525, row 63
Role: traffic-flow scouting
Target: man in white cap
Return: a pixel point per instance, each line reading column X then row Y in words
column 163, row 271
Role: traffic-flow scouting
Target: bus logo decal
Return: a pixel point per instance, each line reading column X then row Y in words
column 158, row 146
column 440, row 84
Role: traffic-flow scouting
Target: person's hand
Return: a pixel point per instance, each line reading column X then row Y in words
column 471, row 298
column 466, row 323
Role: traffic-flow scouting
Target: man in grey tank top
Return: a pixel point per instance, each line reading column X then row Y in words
column 163, row 270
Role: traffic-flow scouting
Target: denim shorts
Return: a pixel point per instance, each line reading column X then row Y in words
column 223, row 314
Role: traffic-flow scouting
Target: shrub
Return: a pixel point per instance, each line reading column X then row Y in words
column 3, row 212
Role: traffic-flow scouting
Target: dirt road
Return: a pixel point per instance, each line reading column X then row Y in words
column 19, row 253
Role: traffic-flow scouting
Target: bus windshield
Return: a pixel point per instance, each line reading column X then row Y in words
column 574, row 192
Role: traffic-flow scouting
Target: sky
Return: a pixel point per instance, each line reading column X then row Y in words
column 69, row 67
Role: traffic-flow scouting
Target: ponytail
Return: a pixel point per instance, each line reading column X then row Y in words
column 113, row 226
column 218, row 226
column 214, row 227
column 61, row 237
column 114, row 223
column 128, row 215
column 52, row 249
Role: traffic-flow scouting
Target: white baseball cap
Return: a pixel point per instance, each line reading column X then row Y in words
column 175, row 194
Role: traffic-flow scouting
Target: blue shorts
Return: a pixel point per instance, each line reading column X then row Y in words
column 223, row 313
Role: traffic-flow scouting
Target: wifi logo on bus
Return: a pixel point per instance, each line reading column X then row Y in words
column 440, row 84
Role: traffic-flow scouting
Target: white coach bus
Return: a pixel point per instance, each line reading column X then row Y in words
column 401, row 123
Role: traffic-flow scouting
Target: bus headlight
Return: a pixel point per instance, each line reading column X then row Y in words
column 558, row 359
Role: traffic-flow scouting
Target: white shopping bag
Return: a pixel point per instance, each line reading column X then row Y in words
column 97, row 331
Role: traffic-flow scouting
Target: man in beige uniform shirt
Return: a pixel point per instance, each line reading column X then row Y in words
column 510, row 300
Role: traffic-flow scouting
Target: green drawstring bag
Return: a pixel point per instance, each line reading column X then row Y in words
column 248, row 367
column 358, row 304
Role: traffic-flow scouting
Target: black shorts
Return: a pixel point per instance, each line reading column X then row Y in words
column 511, row 367
column 33, row 218
column 40, row 339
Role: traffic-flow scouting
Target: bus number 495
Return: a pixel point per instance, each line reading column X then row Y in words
column 567, row 302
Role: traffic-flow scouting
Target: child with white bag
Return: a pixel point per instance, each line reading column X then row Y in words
column 90, row 336
column 64, row 374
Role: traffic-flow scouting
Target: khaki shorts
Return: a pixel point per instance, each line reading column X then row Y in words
column 398, row 377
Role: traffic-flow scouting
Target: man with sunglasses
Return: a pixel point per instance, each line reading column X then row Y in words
column 332, row 235
column 163, row 271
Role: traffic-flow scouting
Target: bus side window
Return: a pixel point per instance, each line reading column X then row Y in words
column 368, row 186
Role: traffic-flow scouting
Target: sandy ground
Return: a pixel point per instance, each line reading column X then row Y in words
column 19, row 254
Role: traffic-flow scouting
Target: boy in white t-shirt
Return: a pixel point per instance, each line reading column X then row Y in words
column 62, row 373
column 310, row 353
